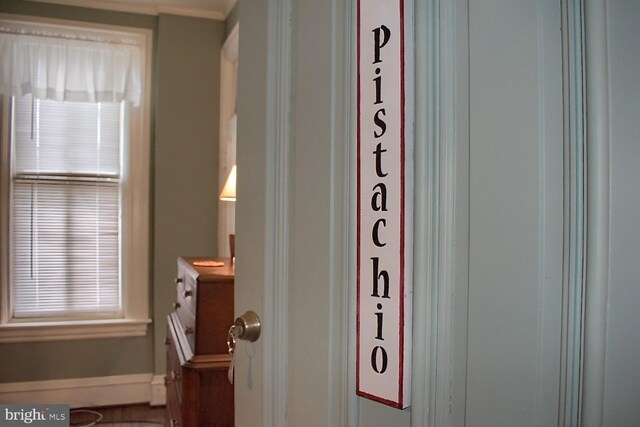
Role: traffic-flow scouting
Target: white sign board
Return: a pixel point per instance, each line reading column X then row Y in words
column 385, row 196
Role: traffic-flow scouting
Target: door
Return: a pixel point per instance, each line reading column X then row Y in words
column 490, row 197
column 291, row 239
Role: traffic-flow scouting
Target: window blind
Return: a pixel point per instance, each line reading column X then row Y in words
column 66, row 208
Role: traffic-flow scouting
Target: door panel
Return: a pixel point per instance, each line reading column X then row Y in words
column 516, row 213
column 300, row 372
column 291, row 232
column 251, row 152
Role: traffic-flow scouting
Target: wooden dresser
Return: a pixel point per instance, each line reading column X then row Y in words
column 198, row 391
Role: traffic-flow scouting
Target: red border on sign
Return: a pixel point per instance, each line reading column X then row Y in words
column 359, row 207
column 402, row 207
column 401, row 323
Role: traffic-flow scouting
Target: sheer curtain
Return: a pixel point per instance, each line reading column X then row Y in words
column 65, row 69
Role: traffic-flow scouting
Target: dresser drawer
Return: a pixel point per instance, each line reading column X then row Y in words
column 173, row 381
column 188, row 326
column 174, row 368
column 198, row 391
column 173, row 410
column 204, row 304
column 187, row 292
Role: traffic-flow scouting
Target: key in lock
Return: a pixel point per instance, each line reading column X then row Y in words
column 245, row 327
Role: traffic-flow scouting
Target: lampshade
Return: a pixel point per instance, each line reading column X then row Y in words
column 229, row 190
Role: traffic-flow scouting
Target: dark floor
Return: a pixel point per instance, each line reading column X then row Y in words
column 131, row 415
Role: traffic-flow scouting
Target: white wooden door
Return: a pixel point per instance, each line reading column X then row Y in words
column 490, row 195
column 291, row 239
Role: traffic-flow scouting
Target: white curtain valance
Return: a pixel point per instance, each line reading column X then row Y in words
column 69, row 70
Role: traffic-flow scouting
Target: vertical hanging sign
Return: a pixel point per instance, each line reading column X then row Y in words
column 384, row 205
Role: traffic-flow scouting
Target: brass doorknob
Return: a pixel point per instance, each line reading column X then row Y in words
column 247, row 326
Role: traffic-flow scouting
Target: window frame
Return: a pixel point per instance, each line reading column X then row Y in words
column 135, row 200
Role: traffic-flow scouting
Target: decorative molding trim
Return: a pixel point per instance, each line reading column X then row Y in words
column 352, row 401
column 231, row 44
column 227, row 134
column 436, row 225
column 597, row 253
column 276, row 298
column 5, row 185
column 105, row 5
column 72, row 330
column 426, row 65
column 457, row 381
column 144, row 9
column 192, row 13
column 88, row 392
column 574, row 205
column 342, row 366
column 230, row 5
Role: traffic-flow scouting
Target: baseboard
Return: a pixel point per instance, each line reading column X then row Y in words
column 88, row 392
column 158, row 391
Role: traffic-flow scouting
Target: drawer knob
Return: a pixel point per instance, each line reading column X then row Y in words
column 179, row 280
column 188, row 294
column 176, row 305
column 188, row 330
column 167, row 341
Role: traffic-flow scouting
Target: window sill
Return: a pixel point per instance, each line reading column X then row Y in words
column 72, row 330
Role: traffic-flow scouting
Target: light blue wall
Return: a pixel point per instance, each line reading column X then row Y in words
column 186, row 153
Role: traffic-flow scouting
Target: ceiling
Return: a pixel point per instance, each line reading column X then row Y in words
column 212, row 9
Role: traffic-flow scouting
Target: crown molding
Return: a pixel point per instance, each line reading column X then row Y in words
column 230, row 5
column 195, row 13
column 146, row 9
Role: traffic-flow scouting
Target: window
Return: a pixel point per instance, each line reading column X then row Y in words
column 74, row 188
column 65, row 199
